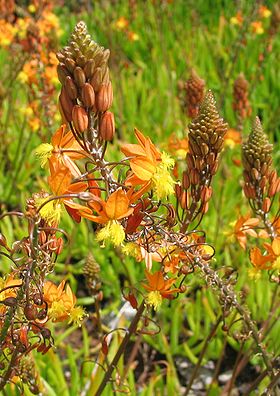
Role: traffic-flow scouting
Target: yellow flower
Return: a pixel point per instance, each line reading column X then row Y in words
column 121, row 23
column 154, row 299
column 112, row 232
column 264, row 12
column 257, row 27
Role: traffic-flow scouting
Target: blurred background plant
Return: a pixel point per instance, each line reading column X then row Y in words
column 156, row 48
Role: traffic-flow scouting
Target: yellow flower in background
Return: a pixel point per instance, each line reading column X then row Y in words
column 122, row 23
column 237, row 19
column 132, row 36
column 257, row 27
column 7, row 33
column 264, row 12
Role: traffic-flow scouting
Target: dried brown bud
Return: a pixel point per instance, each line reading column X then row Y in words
column 62, row 73
column 88, row 95
column 30, row 312
column 104, row 97
column 194, row 93
column 96, row 79
column 70, row 64
column 107, row 126
column 80, row 118
column 10, row 302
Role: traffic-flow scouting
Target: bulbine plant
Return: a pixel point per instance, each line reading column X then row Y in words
column 138, row 209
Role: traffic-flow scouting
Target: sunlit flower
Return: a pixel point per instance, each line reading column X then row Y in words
column 259, row 263
column 264, row 12
column 132, row 36
column 178, row 147
column 257, row 27
column 150, row 168
column 109, row 212
column 122, row 23
column 63, row 146
column 60, row 184
column 232, row 138
column 61, row 303
column 237, row 19
column 158, row 288
column 243, row 227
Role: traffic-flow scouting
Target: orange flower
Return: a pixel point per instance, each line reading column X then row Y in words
column 65, row 147
column 259, row 262
column 264, row 12
column 150, row 168
column 232, row 138
column 237, row 19
column 122, row 23
column 60, row 184
column 158, row 288
column 257, row 27
column 110, row 212
column 243, row 227
column 178, row 147
column 10, row 287
column 61, row 303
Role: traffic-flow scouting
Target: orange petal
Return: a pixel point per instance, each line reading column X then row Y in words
column 143, row 168
column 132, row 150
column 117, row 205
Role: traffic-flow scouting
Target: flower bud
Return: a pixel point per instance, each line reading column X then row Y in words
column 70, row 88
column 66, row 105
column 88, row 95
column 79, row 76
column 96, row 79
column 62, row 73
column 104, row 97
column 70, row 64
column 10, row 302
column 30, row 312
column 266, row 205
column 80, row 118
column 107, row 126
column 89, row 68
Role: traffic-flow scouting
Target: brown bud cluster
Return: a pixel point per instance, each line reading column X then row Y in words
column 194, row 88
column 206, row 138
column 259, row 177
column 84, row 74
column 241, row 103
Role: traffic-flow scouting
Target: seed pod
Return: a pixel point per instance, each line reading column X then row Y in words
column 96, row 79
column 66, row 105
column 30, row 312
column 79, row 76
column 10, row 302
column 186, row 180
column 104, row 97
column 107, row 126
column 88, row 95
column 80, row 118
column 70, row 88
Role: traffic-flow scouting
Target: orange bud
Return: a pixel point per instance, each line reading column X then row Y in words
column 70, row 64
column 107, row 126
column 96, row 79
column 88, row 95
column 70, row 88
column 79, row 76
column 266, row 205
column 80, row 118
column 62, row 72
column 104, row 97
column 66, row 105
column 59, row 245
column 89, row 68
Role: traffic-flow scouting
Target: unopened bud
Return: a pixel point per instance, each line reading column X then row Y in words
column 66, row 105
column 62, row 73
column 104, row 97
column 186, row 180
column 70, row 88
column 89, row 68
column 266, row 205
column 88, row 95
column 80, row 118
column 30, row 312
column 107, row 126
column 70, row 64
column 59, row 245
column 79, row 76
column 10, row 302
column 96, row 79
